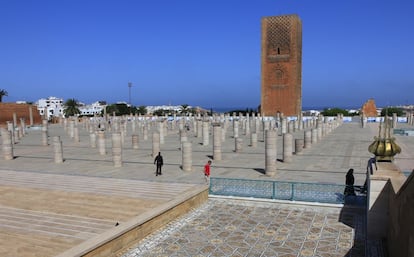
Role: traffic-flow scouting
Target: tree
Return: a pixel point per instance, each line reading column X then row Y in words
column 334, row 112
column 185, row 109
column 391, row 110
column 71, row 107
column 120, row 109
column 3, row 93
column 142, row 110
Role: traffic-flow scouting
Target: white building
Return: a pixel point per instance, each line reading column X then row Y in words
column 95, row 108
column 50, row 107
column 172, row 108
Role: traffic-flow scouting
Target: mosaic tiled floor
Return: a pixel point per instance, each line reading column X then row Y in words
column 225, row 227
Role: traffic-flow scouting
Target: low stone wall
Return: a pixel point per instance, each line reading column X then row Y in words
column 400, row 237
column 391, row 208
column 120, row 238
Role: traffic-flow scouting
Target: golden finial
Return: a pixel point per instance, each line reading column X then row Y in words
column 384, row 147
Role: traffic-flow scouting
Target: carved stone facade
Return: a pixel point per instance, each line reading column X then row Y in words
column 281, row 65
column 369, row 108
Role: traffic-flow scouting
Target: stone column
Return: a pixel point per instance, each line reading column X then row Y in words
column 270, row 152
column 394, row 120
column 300, row 122
column 284, row 125
column 14, row 119
column 307, row 139
column 217, row 139
column 30, row 115
column 199, row 128
column 57, row 149
column 319, row 133
column 123, row 137
column 205, row 132
column 223, row 134
column 101, row 143
column 117, row 149
column 314, row 136
column 92, row 140
column 247, row 124
column 291, row 126
column 180, row 123
column 44, row 132
column 238, row 144
column 287, row 147
column 135, row 140
column 194, row 121
column 10, row 128
column 133, row 126
column 257, row 125
column 145, row 132
column 183, row 137
column 363, row 121
column 16, row 135
column 266, row 126
column 187, row 163
column 71, row 128
column 76, row 134
column 253, row 140
column 7, row 145
column 235, row 128
column 161, row 132
column 155, row 144
column 298, row 145
column 23, row 126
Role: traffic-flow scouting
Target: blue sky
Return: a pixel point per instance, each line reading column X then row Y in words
column 202, row 52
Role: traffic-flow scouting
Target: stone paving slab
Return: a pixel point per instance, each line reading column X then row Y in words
column 224, row 227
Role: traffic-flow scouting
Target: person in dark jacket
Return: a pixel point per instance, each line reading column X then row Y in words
column 159, row 162
column 349, row 183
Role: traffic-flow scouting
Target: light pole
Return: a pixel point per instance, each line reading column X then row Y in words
column 129, row 87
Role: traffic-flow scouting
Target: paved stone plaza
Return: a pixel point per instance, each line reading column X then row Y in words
column 75, row 200
column 225, row 227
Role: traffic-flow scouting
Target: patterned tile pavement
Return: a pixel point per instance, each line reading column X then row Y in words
column 224, row 227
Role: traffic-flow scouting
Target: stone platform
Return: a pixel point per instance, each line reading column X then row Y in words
column 48, row 208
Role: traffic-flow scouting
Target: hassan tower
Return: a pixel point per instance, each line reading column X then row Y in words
column 281, row 87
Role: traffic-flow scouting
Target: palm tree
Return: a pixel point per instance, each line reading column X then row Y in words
column 71, row 107
column 184, row 109
column 3, row 93
column 142, row 110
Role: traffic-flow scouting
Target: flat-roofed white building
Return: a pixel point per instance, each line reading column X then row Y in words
column 50, row 107
column 95, row 108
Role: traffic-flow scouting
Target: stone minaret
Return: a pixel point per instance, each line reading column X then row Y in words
column 281, row 65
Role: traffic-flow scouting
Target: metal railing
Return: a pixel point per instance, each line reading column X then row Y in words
column 279, row 190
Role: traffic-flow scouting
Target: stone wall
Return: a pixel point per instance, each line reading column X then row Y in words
column 391, row 209
column 400, row 237
column 21, row 110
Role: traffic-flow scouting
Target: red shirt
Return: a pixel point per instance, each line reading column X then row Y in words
column 207, row 169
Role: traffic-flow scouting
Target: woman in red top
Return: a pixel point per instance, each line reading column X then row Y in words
column 207, row 171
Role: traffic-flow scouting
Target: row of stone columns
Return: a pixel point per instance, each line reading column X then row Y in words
column 117, row 141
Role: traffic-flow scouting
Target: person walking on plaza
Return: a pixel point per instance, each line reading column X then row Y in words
column 159, row 162
column 207, row 171
column 349, row 183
